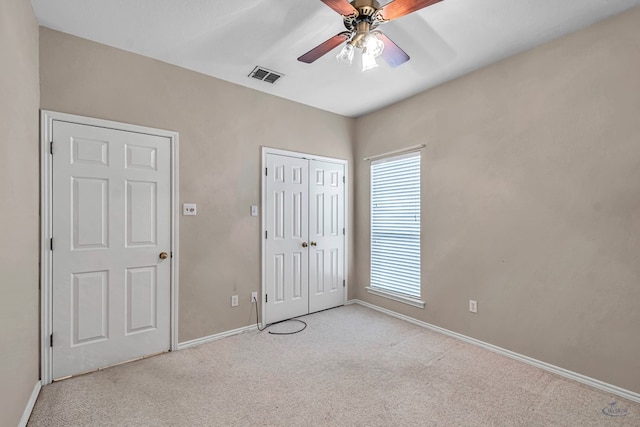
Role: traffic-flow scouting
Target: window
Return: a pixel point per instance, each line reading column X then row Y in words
column 395, row 228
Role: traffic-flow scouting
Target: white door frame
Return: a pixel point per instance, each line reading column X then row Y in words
column 263, row 205
column 46, row 191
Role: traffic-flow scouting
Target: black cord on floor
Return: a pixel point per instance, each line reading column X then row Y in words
column 281, row 321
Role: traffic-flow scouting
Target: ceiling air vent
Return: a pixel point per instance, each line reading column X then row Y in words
column 265, row 75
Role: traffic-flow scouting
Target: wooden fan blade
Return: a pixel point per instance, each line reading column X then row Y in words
column 392, row 52
column 325, row 47
column 398, row 8
column 341, row 6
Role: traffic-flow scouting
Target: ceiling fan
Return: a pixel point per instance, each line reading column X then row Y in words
column 361, row 18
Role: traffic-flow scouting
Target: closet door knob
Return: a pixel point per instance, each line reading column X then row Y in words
column 304, row 244
column 314, row 244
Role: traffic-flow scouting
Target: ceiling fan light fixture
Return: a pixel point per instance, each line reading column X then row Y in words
column 346, row 54
column 372, row 45
column 368, row 61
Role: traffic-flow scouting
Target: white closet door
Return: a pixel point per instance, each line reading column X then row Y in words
column 326, row 235
column 305, row 241
column 287, row 260
column 111, row 222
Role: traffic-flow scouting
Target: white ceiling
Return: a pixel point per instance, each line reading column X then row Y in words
column 227, row 38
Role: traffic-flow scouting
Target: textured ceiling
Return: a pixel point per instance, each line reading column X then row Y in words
column 226, row 39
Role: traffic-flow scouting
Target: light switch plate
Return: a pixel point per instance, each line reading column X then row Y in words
column 189, row 209
column 473, row 306
column 254, row 210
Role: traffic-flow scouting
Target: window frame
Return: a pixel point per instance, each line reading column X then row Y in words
column 375, row 289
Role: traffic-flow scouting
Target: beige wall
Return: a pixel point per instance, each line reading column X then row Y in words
column 531, row 201
column 222, row 127
column 19, row 224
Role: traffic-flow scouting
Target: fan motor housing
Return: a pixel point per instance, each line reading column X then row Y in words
column 366, row 10
column 367, row 7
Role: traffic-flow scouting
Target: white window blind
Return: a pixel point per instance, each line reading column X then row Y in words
column 395, row 224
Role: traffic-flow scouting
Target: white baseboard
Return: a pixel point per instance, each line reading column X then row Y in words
column 210, row 338
column 601, row 385
column 30, row 404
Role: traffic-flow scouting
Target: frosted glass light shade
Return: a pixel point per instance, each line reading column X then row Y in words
column 346, row 54
column 368, row 61
column 373, row 45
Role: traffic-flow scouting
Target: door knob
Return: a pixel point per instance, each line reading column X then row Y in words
column 163, row 255
column 313, row 244
column 304, row 244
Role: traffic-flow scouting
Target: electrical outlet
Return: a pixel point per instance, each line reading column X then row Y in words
column 189, row 209
column 254, row 297
column 473, row 306
column 234, row 300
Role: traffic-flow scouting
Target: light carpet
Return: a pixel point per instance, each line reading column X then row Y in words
column 352, row 366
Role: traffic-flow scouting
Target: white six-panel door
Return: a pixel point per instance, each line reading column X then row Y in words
column 304, row 236
column 111, row 221
column 326, row 235
column 287, row 258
